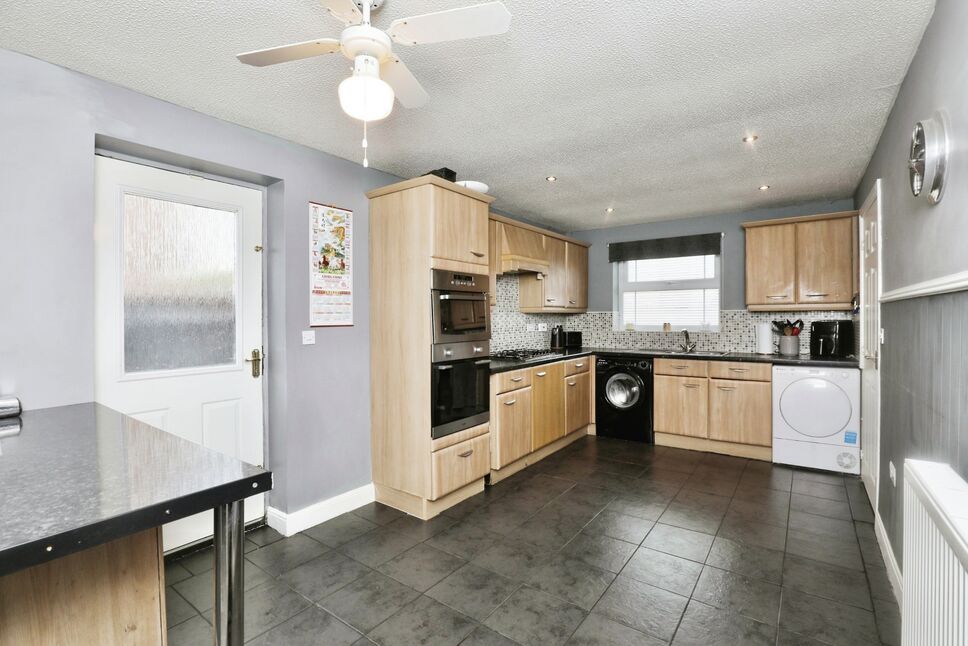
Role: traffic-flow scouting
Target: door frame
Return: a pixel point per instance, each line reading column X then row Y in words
column 874, row 197
column 264, row 190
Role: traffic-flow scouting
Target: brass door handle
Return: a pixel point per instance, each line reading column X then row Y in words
column 256, row 361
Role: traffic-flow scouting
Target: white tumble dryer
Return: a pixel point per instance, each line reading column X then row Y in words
column 816, row 417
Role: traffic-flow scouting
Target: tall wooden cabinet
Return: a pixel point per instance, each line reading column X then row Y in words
column 576, row 276
column 416, row 226
column 802, row 263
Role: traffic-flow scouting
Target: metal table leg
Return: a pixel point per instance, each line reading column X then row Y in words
column 229, row 536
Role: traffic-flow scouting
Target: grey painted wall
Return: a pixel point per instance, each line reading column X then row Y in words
column 318, row 395
column 734, row 247
column 924, row 373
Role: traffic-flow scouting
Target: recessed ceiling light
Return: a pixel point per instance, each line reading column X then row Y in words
column 609, row 210
column 551, row 178
column 748, row 139
column 765, row 187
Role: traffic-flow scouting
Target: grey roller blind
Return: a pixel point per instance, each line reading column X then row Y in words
column 698, row 245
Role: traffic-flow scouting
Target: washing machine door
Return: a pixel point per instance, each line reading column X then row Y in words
column 815, row 407
column 623, row 390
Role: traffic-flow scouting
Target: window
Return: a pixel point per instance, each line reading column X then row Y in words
column 682, row 291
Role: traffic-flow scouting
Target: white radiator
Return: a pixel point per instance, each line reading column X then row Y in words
column 935, row 580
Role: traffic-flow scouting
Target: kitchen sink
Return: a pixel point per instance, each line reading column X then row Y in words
column 699, row 353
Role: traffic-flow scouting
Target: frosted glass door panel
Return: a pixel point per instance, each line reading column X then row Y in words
column 179, row 285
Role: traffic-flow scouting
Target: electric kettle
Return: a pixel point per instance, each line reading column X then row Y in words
column 557, row 338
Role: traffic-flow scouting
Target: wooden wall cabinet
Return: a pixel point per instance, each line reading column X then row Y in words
column 804, row 263
column 460, row 228
column 681, row 405
column 548, row 404
column 577, row 402
column 495, row 232
column 576, row 276
column 740, row 411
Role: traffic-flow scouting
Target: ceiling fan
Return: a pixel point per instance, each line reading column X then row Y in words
column 378, row 74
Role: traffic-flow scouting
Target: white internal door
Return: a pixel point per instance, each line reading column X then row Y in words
column 178, row 298
column 870, row 339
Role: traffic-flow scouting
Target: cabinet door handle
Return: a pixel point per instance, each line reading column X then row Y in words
column 540, row 374
column 510, row 402
column 680, row 367
column 517, row 379
column 815, row 295
column 579, row 365
column 571, row 302
column 739, row 369
column 466, row 454
column 726, row 388
column 477, row 253
column 572, row 383
column 776, row 296
column 690, row 385
column 550, row 300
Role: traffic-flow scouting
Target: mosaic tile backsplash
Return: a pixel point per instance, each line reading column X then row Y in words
column 509, row 327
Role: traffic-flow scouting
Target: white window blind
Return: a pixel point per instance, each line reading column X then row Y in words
column 682, row 291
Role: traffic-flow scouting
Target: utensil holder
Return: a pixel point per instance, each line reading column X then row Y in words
column 790, row 346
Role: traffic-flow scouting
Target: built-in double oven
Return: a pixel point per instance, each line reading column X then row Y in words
column 460, row 371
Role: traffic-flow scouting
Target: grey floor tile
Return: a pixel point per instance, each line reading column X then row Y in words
column 199, row 590
column 786, row 638
column 483, row 636
column 463, row 508
column 820, row 506
column 465, row 540
column 498, row 518
column 888, row 618
column 842, row 530
column 642, row 606
column 248, row 546
column 603, row 552
column 621, row 526
column 473, row 591
column 690, row 517
column 513, row 558
column 421, row 566
column 629, row 469
column 818, row 476
column 378, row 513
column 821, row 490
column 421, row 622
column 177, row 609
column 198, row 561
column 702, row 500
column 270, row 604
column 175, row 572
column 704, row 625
column 663, row 570
column 263, row 536
column 761, row 494
column 421, row 529
column 755, row 479
column 572, row 580
column 586, row 498
column 677, row 541
column 720, row 484
column 340, row 530
column 880, row 584
column 379, row 546
column 324, row 575
column 770, row 511
column 535, row 618
column 608, row 481
column 828, row 581
column 761, row 534
column 281, row 556
column 311, row 627
column 644, row 507
column 550, row 531
column 753, row 598
column 369, row 601
column 749, row 560
column 194, row 632
column 598, row 630
column 827, row 621
column 842, row 552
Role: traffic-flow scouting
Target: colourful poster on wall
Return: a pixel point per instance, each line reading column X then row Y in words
column 330, row 265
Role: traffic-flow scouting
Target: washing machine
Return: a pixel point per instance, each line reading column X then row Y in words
column 816, row 417
column 623, row 398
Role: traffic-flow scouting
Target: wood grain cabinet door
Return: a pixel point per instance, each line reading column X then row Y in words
column 460, row 464
column 460, row 228
column 771, row 264
column 494, row 235
column 576, row 264
column 556, row 281
column 825, row 261
column 740, row 411
column 681, row 405
column 577, row 402
column 511, row 427
column 548, row 404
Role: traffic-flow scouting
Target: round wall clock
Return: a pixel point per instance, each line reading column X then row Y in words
column 929, row 157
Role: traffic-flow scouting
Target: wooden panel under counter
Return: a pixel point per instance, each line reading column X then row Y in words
column 504, row 382
column 548, row 404
column 742, row 370
column 459, row 464
column 681, row 367
column 577, row 404
column 681, row 405
column 577, row 365
column 510, row 427
column 741, row 411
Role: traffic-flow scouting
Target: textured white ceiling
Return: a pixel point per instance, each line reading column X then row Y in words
column 636, row 105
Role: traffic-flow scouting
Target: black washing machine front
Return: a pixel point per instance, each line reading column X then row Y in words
column 623, row 398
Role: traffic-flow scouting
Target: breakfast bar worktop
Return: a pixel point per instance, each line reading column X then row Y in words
column 504, row 365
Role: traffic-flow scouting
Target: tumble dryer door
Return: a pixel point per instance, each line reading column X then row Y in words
column 815, row 407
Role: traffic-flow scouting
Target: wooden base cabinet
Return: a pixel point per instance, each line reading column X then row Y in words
column 457, row 465
column 548, row 404
column 510, row 426
column 577, row 401
column 681, row 405
column 741, row 411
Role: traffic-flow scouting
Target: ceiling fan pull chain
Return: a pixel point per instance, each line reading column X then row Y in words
column 366, row 162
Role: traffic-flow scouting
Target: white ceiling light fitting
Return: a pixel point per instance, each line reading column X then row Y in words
column 609, row 210
column 765, row 187
column 748, row 139
column 551, row 178
column 379, row 75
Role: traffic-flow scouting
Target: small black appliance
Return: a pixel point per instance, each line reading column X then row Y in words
column 623, row 398
column 557, row 338
column 833, row 339
column 572, row 339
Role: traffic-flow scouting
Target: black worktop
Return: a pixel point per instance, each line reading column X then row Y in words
column 504, row 365
column 78, row 476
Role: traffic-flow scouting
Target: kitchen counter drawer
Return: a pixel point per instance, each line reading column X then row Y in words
column 740, row 371
column 577, row 366
column 507, row 381
column 460, row 464
column 681, row 368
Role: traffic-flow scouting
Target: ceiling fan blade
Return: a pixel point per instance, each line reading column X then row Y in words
column 293, row 52
column 405, row 85
column 345, row 11
column 454, row 24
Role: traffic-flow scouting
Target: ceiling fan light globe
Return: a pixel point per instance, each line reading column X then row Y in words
column 365, row 97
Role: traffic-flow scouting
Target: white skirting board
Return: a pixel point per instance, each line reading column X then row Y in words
column 893, row 571
column 297, row 521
